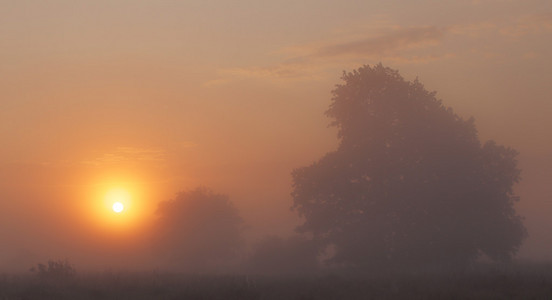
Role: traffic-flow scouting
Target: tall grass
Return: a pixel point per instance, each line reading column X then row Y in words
column 485, row 282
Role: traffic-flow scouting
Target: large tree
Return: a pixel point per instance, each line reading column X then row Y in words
column 409, row 185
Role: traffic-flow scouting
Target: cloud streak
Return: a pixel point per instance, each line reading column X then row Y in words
column 510, row 28
column 308, row 60
column 399, row 40
column 386, row 43
column 527, row 25
column 125, row 155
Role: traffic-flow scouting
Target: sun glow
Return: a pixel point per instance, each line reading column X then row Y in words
column 118, row 207
column 118, row 198
column 118, row 203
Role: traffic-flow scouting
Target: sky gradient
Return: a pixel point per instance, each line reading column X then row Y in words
column 163, row 96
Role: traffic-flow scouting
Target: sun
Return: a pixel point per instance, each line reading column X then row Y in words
column 118, row 207
column 118, row 198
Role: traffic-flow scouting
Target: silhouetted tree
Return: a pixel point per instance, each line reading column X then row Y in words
column 198, row 230
column 409, row 185
column 295, row 255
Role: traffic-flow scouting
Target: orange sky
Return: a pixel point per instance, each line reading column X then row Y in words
column 167, row 95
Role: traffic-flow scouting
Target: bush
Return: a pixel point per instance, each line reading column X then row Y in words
column 55, row 269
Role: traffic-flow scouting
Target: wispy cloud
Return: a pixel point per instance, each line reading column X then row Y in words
column 387, row 42
column 284, row 70
column 419, row 59
column 478, row 2
column 510, row 27
column 399, row 40
column 124, row 155
column 475, row 30
column 307, row 60
column 530, row 24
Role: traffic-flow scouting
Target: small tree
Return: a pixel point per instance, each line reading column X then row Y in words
column 409, row 185
column 198, row 230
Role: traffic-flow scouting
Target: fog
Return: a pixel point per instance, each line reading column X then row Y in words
column 164, row 97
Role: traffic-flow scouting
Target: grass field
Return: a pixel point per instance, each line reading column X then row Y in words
column 527, row 282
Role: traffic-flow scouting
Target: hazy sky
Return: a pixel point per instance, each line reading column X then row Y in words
column 162, row 96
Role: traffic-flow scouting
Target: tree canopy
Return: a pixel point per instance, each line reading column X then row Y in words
column 410, row 184
column 198, row 230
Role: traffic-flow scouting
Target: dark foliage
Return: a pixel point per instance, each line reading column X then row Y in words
column 410, row 185
column 198, row 230
column 55, row 269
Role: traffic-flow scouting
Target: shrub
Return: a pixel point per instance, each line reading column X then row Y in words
column 55, row 269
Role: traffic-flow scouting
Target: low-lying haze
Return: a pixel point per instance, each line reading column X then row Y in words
column 164, row 96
